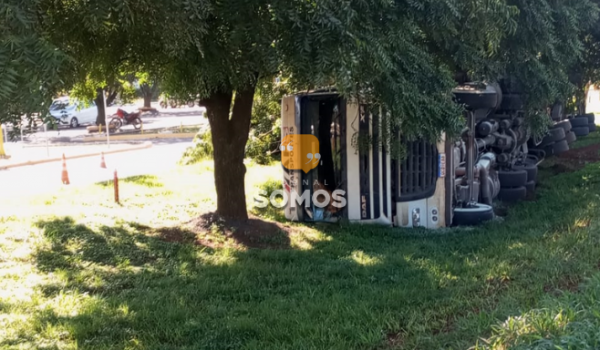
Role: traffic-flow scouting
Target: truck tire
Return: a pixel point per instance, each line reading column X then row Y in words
column 549, row 149
column 565, row 124
column 530, row 187
column 580, row 121
column 560, row 147
column 554, row 135
column 476, row 215
column 557, row 134
column 571, row 137
column 511, row 102
column 591, row 118
column 514, row 178
column 531, row 169
column 581, row 131
column 592, row 127
column 512, row 195
column 556, row 111
column 538, row 153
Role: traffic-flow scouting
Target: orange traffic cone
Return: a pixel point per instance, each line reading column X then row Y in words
column 102, row 162
column 65, row 173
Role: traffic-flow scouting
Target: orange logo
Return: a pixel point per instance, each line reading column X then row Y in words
column 300, row 152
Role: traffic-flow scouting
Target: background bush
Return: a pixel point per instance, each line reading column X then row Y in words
column 265, row 132
column 200, row 150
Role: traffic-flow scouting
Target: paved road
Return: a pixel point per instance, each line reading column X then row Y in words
column 167, row 118
column 45, row 178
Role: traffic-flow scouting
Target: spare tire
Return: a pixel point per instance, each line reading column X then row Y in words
column 579, row 121
column 565, row 124
column 592, row 127
column 591, row 118
column 514, row 178
column 538, row 153
column 530, row 187
column 581, row 131
column 554, row 135
column 561, row 146
column 531, row 169
column 475, row 215
column 549, row 149
column 556, row 111
column 512, row 195
column 571, row 137
column 557, row 134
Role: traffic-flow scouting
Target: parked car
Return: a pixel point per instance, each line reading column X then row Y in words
column 73, row 112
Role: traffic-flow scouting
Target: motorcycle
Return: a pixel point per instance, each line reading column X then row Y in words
column 123, row 118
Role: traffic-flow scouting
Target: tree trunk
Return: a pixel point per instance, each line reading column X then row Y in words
column 147, row 91
column 99, row 100
column 229, row 137
column 111, row 97
column 147, row 101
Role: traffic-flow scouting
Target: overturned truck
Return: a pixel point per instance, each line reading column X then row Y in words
column 451, row 182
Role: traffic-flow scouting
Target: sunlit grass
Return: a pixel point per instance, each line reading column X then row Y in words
column 79, row 271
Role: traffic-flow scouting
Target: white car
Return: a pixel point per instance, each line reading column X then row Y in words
column 73, row 112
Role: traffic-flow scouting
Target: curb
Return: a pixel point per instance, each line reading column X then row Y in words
column 49, row 160
column 80, row 143
column 190, row 135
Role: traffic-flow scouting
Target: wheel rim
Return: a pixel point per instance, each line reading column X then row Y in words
column 116, row 123
column 74, row 122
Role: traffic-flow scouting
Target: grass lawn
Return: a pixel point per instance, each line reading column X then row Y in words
column 78, row 271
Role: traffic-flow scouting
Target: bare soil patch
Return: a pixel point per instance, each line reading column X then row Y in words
column 251, row 233
column 576, row 159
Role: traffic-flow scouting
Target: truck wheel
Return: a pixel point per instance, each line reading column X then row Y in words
column 561, row 146
column 581, row 131
column 549, row 149
column 530, row 187
column 512, row 195
column 592, row 127
column 538, row 153
column 476, row 215
column 557, row 134
column 591, row 118
column 530, row 169
column 565, row 124
column 557, row 111
column 580, row 121
column 571, row 137
column 514, row 178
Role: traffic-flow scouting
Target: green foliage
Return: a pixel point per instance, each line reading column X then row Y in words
column 265, row 132
column 201, row 149
column 568, row 322
column 538, row 123
column 32, row 68
column 545, row 46
column 402, row 55
column 369, row 50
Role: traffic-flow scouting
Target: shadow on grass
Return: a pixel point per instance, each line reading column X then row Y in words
column 356, row 287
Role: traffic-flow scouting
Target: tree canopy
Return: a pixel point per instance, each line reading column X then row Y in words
column 32, row 68
column 405, row 55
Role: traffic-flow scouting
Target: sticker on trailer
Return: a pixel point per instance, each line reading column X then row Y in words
column 442, row 165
